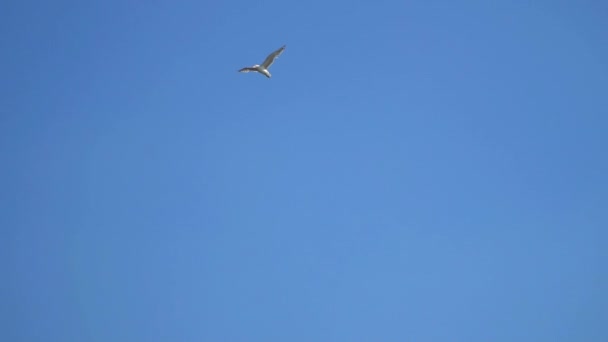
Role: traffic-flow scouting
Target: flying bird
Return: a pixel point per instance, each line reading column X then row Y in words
column 263, row 68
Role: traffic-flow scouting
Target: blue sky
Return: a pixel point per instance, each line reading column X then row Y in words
column 413, row 171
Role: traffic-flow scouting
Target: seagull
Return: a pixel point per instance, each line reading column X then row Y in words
column 263, row 69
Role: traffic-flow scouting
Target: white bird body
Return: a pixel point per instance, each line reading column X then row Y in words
column 263, row 68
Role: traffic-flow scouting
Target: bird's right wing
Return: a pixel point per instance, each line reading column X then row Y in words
column 270, row 59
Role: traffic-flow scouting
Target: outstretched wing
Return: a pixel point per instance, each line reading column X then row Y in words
column 270, row 59
column 247, row 69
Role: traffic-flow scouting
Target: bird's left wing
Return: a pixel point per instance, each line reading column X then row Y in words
column 247, row 69
column 270, row 59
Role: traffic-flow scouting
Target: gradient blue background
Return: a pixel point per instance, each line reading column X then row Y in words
column 414, row 171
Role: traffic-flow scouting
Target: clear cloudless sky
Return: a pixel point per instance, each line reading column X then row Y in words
column 413, row 171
